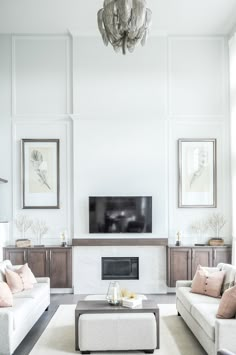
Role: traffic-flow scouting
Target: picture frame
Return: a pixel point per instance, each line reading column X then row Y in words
column 197, row 177
column 40, row 173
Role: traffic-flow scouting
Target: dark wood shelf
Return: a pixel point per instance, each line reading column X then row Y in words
column 3, row 181
column 199, row 246
column 119, row 242
column 39, row 247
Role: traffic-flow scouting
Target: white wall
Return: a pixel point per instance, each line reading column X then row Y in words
column 128, row 115
column 35, row 102
column 128, row 112
column 232, row 47
column 5, row 128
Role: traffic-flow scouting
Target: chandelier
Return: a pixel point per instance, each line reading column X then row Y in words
column 124, row 23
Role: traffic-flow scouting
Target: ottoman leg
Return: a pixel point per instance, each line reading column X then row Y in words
column 149, row 351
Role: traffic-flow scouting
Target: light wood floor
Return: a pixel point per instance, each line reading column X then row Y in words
column 57, row 299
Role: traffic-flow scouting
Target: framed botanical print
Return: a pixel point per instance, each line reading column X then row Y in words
column 40, row 173
column 197, row 172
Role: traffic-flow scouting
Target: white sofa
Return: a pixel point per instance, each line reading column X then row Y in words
column 28, row 306
column 199, row 312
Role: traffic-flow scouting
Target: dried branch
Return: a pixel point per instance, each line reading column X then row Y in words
column 199, row 226
column 39, row 228
column 23, row 223
column 216, row 222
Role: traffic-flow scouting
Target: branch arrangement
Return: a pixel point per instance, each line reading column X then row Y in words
column 38, row 228
column 23, row 223
column 215, row 222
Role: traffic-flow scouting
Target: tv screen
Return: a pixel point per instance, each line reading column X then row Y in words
column 120, row 214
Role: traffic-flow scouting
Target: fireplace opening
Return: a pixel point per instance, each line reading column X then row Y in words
column 120, row 268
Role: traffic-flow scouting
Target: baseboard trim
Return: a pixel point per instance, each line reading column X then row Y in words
column 61, row 290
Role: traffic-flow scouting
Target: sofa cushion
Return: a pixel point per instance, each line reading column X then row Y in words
column 230, row 276
column 208, row 283
column 6, row 298
column 22, row 309
column 205, row 315
column 227, row 306
column 14, row 281
column 3, row 265
column 188, row 298
column 37, row 292
column 26, row 276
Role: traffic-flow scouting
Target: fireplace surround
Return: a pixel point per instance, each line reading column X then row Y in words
column 87, row 266
column 120, row 268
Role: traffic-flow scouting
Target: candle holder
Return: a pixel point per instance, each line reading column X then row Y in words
column 113, row 294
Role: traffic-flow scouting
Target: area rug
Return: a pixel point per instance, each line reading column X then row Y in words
column 175, row 336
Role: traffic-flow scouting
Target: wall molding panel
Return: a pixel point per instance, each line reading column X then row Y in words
column 47, row 70
column 58, row 219
column 118, row 119
column 182, row 78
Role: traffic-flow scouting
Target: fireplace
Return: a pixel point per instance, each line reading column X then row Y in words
column 120, row 268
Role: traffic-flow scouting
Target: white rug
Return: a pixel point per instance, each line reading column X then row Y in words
column 175, row 336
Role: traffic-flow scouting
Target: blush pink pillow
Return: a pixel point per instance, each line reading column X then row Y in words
column 27, row 276
column 208, row 283
column 227, row 306
column 6, row 298
column 14, row 281
column 26, row 269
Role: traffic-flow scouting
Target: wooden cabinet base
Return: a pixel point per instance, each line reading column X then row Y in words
column 182, row 262
column 53, row 262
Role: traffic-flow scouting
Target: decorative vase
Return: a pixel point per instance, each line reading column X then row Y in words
column 114, row 293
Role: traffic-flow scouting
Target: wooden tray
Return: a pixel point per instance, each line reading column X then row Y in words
column 216, row 242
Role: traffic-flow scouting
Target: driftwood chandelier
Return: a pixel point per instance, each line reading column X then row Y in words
column 124, row 23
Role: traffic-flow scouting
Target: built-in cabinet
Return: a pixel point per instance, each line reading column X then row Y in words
column 182, row 262
column 53, row 262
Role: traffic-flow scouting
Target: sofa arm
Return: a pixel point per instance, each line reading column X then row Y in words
column 43, row 280
column 6, row 331
column 183, row 283
column 225, row 330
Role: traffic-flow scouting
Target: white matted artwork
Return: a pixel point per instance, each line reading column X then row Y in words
column 40, row 173
column 197, row 172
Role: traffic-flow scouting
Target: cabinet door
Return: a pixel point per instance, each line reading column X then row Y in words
column 179, row 265
column 38, row 261
column 17, row 256
column 201, row 256
column 222, row 255
column 61, row 268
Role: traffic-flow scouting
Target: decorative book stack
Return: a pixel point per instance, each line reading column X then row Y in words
column 131, row 302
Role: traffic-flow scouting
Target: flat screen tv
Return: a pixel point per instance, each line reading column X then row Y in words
column 131, row 214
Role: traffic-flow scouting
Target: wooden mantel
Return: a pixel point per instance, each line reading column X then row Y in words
column 82, row 242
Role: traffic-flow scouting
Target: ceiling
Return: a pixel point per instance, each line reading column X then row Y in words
column 170, row 17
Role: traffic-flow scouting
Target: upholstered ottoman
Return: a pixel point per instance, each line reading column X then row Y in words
column 101, row 327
